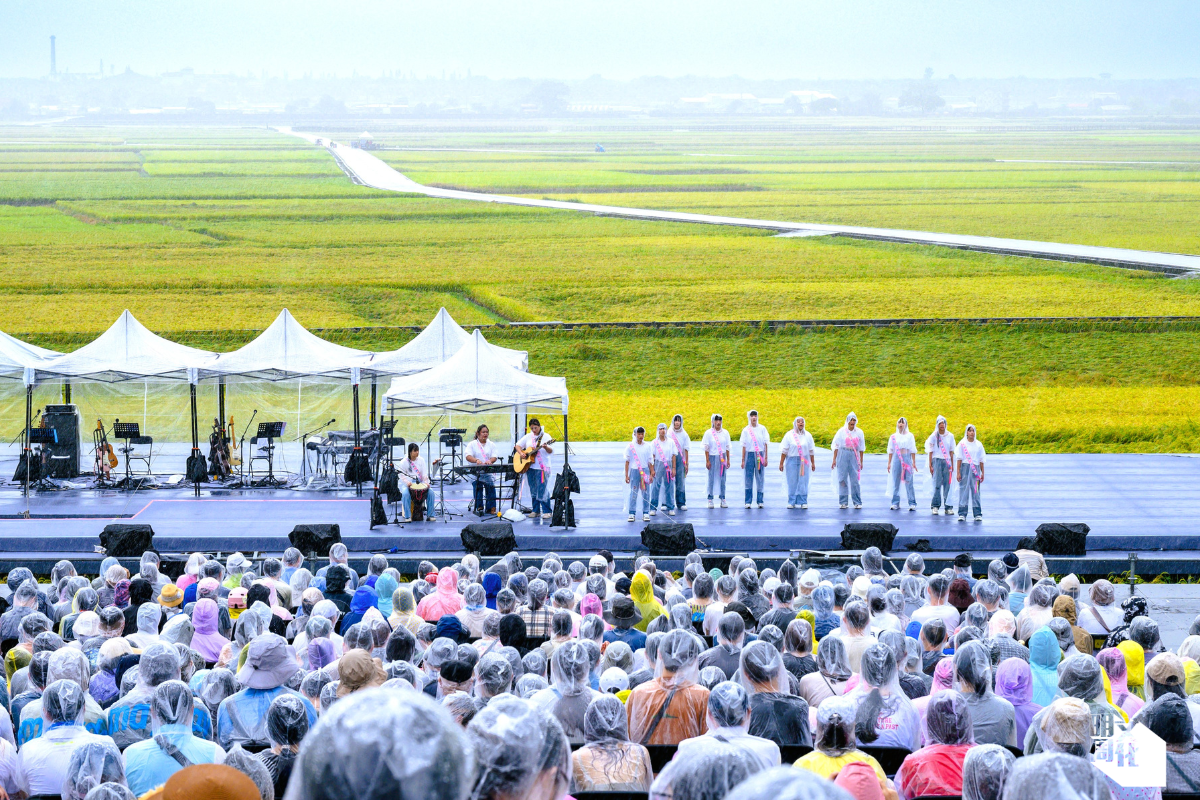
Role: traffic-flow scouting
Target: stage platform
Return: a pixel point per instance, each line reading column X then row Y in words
column 1134, row 503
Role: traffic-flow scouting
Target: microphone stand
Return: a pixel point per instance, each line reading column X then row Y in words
column 303, row 451
column 242, row 448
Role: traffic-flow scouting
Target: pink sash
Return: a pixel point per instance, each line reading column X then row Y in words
column 966, row 456
column 800, row 451
column 667, row 461
column 643, row 478
column 758, row 457
column 720, row 454
column 851, row 443
column 906, row 469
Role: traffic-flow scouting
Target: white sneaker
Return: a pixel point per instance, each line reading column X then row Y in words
column 962, row 519
column 843, row 505
column 547, row 515
column 724, row 504
column 663, row 507
column 683, row 508
column 645, row 517
column 804, row 505
column 912, row 508
column 670, row 512
column 790, row 505
column 747, row 505
column 858, row 505
column 979, row 517
column 895, row 508
column 760, row 505
column 710, row 503
column 654, row 512
column 631, row 517
column 935, row 511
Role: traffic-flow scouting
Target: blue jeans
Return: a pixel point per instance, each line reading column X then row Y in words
column 664, row 488
column 968, row 492
column 716, row 473
column 754, row 473
column 941, row 484
column 680, row 479
column 484, row 485
column 847, row 476
column 406, row 501
column 635, row 486
column 537, row 490
column 898, row 476
column 797, row 483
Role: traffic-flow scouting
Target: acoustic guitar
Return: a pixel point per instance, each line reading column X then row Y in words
column 523, row 457
column 106, row 459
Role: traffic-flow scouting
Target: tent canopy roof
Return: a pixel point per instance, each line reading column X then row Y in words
column 128, row 350
column 477, row 380
column 16, row 355
column 287, row 350
column 441, row 339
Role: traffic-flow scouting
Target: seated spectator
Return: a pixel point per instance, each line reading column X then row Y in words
column 608, row 761
column 934, row 635
column 570, row 693
column 1103, row 616
column 1001, row 628
column 833, row 673
column 150, row 763
column 672, row 707
column 936, row 591
column 897, row 642
column 1055, row 776
column 1064, row 608
column 729, row 720
column 1014, row 682
column 91, row 765
column 835, row 744
column 1044, row 655
column 520, row 752
column 242, row 718
column 43, row 764
column 824, row 608
column 937, row 768
column 774, row 713
column 798, row 648
column 708, row 772
column 287, row 725
column 884, row 715
column 985, row 771
column 726, row 654
column 1038, row 611
column 1171, row 720
column 1114, row 666
column 623, row 615
column 993, row 717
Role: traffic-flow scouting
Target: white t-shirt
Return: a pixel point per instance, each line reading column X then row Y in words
column 42, row 762
column 850, row 439
column 680, row 438
column 664, row 452
column 638, row 457
column 483, row 452
column 413, row 471
column 971, row 452
column 948, row 613
column 542, row 459
column 798, row 444
column 932, row 446
column 755, row 437
column 716, row 443
column 902, row 441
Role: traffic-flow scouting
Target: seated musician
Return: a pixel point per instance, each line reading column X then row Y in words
column 481, row 452
column 412, row 470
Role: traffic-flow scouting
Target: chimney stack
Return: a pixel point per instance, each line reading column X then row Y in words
column 53, row 67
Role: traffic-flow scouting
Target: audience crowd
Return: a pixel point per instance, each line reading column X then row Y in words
column 539, row 681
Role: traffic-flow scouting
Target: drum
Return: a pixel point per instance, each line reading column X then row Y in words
column 418, row 492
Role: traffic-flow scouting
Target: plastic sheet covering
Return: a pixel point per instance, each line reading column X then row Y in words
column 63, row 701
column 1065, row 726
column 832, row 659
column 1171, row 720
column 872, row 561
column 171, row 704
column 606, row 721
column 1055, row 776
column 110, row 791
column 985, row 771
column 159, row 662
column 92, row 764
column 707, row 772
column 1081, row 676
column 788, row 783
column 287, row 720
column 762, row 669
column 514, row 742
column 329, row 695
column 218, row 684
column 493, row 676
column 676, row 666
column 973, row 665
column 530, row 684
column 69, row 664
column 250, row 766
column 948, row 719
column 729, row 704
column 835, row 727
column 730, row 630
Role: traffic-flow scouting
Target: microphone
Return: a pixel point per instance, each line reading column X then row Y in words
column 331, row 421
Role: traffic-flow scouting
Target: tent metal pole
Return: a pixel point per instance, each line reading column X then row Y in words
column 374, row 404
column 195, row 438
column 221, row 401
column 26, row 446
column 357, row 447
column 66, row 392
column 566, row 443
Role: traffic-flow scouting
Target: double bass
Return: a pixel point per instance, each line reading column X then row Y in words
column 218, row 452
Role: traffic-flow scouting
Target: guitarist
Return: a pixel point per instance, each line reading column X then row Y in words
column 538, row 475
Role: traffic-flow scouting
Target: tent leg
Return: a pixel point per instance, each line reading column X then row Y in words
column 66, row 393
column 28, row 425
column 221, row 401
column 374, row 404
column 357, row 448
column 566, row 443
column 195, row 442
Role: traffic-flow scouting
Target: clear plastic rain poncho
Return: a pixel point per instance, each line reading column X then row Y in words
column 570, row 693
column 835, row 727
column 63, row 702
column 762, row 669
column 823, row 600
column 1081, row 676
column 216, row 685
column 675, row 666
column 493, row 676
column 872, row 561
column 832, row 659
column 788, row 783
column 171, row 704
column 110, row 791
column 529, row 684
column 948, row 720
column 885, row 716
column 254, row 769
column 913, row 589
column 1065, row 726
column 1055, row 776
column 711, row 676
column 729, row 705
column 287, row 721
column 985, row 771
column 707, row 772
column 514, row 742
column 92, row 764
column 149, row 616
column 976, row 616
column 329, row 695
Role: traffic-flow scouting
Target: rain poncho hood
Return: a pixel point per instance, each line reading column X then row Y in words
column 1135, row 667
column 444, row 600
column 206, row 641
column 641, row 591
column 1044, row 655
column 384, row 588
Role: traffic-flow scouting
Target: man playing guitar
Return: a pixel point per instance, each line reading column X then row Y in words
column 536, row 445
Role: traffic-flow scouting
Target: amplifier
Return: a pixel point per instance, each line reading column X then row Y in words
column 64, row 456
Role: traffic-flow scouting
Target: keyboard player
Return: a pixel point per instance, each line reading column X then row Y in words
column 482, row 452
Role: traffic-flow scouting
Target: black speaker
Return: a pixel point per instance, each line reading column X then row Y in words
column 123, row 540
column 1059, row 539
column 64, row 455
column 669, row 538
column 315, row 537
column 173, row 565
column 716, row 562
column 861, row 535
column 489, row 538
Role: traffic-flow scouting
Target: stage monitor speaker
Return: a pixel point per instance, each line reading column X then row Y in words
column 1059, row 539
column 64, row 454
column 716, row 562
column 124, row 540
column 669, row 538
column 173, row 565
column 315, row 537
column 489, row 538
column 861, row 535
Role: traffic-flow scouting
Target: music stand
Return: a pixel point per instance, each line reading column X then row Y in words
column 453, row 439
column 132, row 434
column 41, row 437
column 269, row 431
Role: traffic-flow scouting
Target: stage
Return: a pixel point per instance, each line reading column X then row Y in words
column 1133, row 503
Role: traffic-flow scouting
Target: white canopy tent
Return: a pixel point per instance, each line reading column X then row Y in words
column 287, row 350
column 441, row 339
column 16, row 357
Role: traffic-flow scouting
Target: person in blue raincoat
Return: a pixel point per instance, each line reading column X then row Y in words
column 242, row 718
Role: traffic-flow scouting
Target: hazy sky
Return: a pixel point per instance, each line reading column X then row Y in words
column 614, row 38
